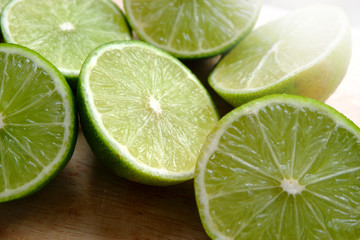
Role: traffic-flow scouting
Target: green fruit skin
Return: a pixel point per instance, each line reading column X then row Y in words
column 317, row 82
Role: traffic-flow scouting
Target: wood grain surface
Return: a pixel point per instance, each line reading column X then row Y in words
column 87, row 201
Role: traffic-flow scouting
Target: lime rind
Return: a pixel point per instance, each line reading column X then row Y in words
column 115, row 154
column 70, row 125
column 211, row 225
column 221, row 47
column 323, row 73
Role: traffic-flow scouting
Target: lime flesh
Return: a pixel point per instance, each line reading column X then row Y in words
column 64, row 32
column 192, row 29
column 306, row 52
column 37, row 122
column 146, row 110
column 3, row 3
column 281, row 167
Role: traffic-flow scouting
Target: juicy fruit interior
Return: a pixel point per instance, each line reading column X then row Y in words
column 65, row 32
column 152, row 106
column 3, row 3
column 188, row 27
column 280, row 48
column 32, row 116
column 285, row 172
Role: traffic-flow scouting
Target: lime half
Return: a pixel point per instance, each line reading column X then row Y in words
column 37, row 122
column 64, row 32
column 281, row 167
column 306, row 53
column 144, row 112
column 193, row 28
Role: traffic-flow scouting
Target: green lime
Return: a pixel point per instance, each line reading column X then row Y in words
column 64, row 32
column 37, row 122
column 192, row 29
column 281, row 167
column 306, row 52
column 143, row 112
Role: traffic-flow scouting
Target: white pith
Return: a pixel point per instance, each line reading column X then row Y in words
column 2, row 124
column 291, row 186
column 67, row 27
column 155, row 105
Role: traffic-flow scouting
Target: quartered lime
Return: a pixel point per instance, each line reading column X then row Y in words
column 306, row 52
column 281, row 167
column 193, row 28
column 37, row 122
column 65, row 31
column 143, row 112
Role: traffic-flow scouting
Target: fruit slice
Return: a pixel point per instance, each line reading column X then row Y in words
column 192, row 29
column 144, row 112
column 281, row 167
column 37, row 122
column 306, row 52
column 64, row 31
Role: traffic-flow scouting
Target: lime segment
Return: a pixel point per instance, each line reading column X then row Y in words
column 64, row 32
column 306, row 52
column 192, row 29
column 146, row 110
column 281, row 167
column 37, row 122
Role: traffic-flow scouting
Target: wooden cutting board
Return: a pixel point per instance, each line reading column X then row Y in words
column 87, row 201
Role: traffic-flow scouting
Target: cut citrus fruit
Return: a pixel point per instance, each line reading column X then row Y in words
column 306, row 53
column 37, row 122
column 192, row 29
column 64, row 32
column 144, row 112
column 281, row 167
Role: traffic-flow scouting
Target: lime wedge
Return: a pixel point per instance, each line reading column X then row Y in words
column 306, row 52
column 37, row 122
column 143, row 112
column 192, row 29
column 281, row 167
column 64, row 32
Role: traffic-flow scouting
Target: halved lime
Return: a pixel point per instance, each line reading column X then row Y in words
column 194, row 28
column 281, row 167
column 306, row 52
column 37, row 122
column 64, row 32
column 144, row 112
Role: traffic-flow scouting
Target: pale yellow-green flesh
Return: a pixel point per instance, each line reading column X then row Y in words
column 194, row 26
column 64, row 32
column 281, row 49
column 3, row 3
column 32, row 122
column 257, row 151
column 152, row 106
